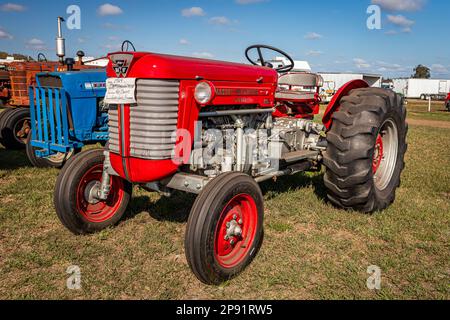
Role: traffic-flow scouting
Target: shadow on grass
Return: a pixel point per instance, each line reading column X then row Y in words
column 173, row 209
column 177, row 208
column 13, row 159
column 296, row 182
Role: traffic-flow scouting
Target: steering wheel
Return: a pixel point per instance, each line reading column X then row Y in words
column 42, row 57
column 265, row 63
column 126, row 46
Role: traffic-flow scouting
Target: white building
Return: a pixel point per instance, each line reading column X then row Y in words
column 9, row 60
column 421, row 88
column 332, row 82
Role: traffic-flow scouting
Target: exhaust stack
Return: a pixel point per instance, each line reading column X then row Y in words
column 60, row 42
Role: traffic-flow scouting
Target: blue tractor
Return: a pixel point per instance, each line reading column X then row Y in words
column 67, row 112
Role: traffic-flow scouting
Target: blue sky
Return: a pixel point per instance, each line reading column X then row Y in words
column 331, row 35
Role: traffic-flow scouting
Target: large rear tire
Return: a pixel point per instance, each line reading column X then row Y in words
column 15, row 128
column 225, row 228
column 76, row 211
column 366, row 149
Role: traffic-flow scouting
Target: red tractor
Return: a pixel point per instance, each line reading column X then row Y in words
column 217, row 129
column 447, row 102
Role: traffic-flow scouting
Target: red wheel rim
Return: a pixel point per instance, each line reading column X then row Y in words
column 378, row 154
column 103, row 210
column 230, row 250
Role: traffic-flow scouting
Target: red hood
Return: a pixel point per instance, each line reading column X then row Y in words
column 160, row 66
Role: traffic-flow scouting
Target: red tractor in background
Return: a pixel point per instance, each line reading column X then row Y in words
column 15, row 121
column 447, row 102
column 217, row 129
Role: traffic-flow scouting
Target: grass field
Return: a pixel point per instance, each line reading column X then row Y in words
column 311, row 250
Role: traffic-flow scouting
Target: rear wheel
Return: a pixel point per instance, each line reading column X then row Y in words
column 366, row 149
column 76, row 208
column 55, row 161
column 15, row 128
column 3, row 116
column 225, row 228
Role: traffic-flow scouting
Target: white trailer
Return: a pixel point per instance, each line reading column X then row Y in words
column 422, row 88
column 333, row 81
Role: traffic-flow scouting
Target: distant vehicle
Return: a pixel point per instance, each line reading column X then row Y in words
column 447, row 102
column 335, row 80
column 423, row 89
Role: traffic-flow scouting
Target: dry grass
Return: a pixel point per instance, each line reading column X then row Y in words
column 311, row 250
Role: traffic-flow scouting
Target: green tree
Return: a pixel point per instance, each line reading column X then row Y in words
column 421, row 72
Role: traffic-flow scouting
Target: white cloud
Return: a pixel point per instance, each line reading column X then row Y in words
column 400, row 5
column 223, row 21
column 108, row 9
column 314, row 53
column 389, row 67
column 12, row 7
column 206, row 55
column 5, row 35
column 439, row 69
column 36, row 44
column 193, row 12
column 184, row 42
column 361, row 63
column 244, row 2
column 401, row 21
column 313, row 36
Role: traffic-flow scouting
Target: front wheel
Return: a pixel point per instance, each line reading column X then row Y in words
column 55, row 161
column 76, row 208
column 225, row 228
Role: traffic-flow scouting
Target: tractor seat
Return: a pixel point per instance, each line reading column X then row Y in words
column 303, row 81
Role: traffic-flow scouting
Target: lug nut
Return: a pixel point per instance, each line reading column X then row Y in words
column 232, row 242
column 235, row 217
column 240, row 221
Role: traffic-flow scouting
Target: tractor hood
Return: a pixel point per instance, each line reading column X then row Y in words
column 159, row 66
column 78, row 84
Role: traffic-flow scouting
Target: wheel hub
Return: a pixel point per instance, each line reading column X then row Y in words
column 385, row 155
column 378, row 156
column 234, row 230
column 91, row 192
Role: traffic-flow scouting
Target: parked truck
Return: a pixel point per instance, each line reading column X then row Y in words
column 423, row 89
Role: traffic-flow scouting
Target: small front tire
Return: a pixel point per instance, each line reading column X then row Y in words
column 56, row 161
column 225, row 228
column 76, row 210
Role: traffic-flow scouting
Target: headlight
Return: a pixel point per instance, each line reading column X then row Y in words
column 204, row 93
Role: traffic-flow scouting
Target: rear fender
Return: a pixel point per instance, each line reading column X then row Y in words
column 336, row 101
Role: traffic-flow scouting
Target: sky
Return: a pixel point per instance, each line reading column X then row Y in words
column 333, row 36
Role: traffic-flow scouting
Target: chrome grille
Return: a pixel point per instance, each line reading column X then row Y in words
column 153, row 120
column 113, row 123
